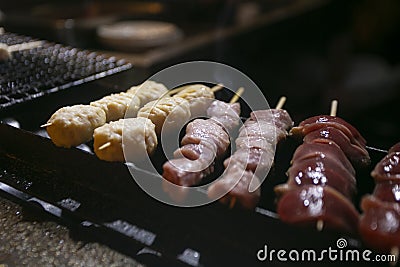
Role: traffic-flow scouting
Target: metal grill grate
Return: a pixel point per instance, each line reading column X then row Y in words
column 49, row 68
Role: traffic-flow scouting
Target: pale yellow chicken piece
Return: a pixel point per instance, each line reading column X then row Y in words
column 74, row 125
column 199, row 97
column 148, row 91
column 168, row 112
column 115, row 105
column 135, row 137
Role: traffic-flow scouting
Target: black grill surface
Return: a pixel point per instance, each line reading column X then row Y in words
column 32, row 73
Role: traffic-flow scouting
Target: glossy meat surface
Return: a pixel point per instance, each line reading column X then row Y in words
column 356, row 154
column 388, row 168
column 327, row 151
column 380, row 224
column 326, row 119
column 186, row 172
column 279, row 117
column 322, row 172
column 206, row 131
column 226, row 114
column 236, row 180
column 254, row 155
column 308, row 204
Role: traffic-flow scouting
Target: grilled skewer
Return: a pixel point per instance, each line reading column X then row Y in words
column 205, row 141
column 254, row 156
column 380, row 222
column 74, row 125
column 321, row 181
column 165, row 113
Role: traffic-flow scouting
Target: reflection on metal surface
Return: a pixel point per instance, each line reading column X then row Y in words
column 190, row 257
column 133, row 231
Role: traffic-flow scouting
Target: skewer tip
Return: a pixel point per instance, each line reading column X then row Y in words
column 217, row 87
column 281, row 102
column 237, row 95
column 174, row 91
column 334, row 105
column 232, row 202
column 320, row 225
column 395, row 252
column 104, row 146
column 46, row 125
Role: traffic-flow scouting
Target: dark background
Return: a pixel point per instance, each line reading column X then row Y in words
column 345, row 50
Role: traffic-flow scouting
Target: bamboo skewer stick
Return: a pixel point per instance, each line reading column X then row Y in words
column 232, row 202
column 333, row 112
column 237, row 95
column 46, row 125
column 320, row 225
column 104, row 146
column 334, row 106
column 281, row 102
column 217, row 87
column 395, row 252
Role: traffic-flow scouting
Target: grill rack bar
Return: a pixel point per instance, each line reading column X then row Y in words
column 49, row 68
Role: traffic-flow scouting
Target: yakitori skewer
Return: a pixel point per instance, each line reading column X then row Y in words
column 322, row 181
column 379, row 225
column 333, row 112
column 279, row 105
column 74, row 125
column 205, row 141
column 196, row 98
column 254, row 156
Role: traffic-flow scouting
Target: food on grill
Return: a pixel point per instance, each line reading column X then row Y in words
column 238, row 185
column 176, row 109
column 190, row 102
column 69, row 133
column 321, row 180
column 356, row 153
column 116, row 105
column 148, row 91
column 388, row 169
column 380, row 223
column 337, row 130
column 329, row 120
column 198, row 96
column 317, row 205
column 167, row 114
column 72, row 126
column 322, row 164
column 205, row 141
column 254, row 156
column 141, row 136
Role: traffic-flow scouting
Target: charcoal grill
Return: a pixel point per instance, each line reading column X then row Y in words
column 49, row 68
